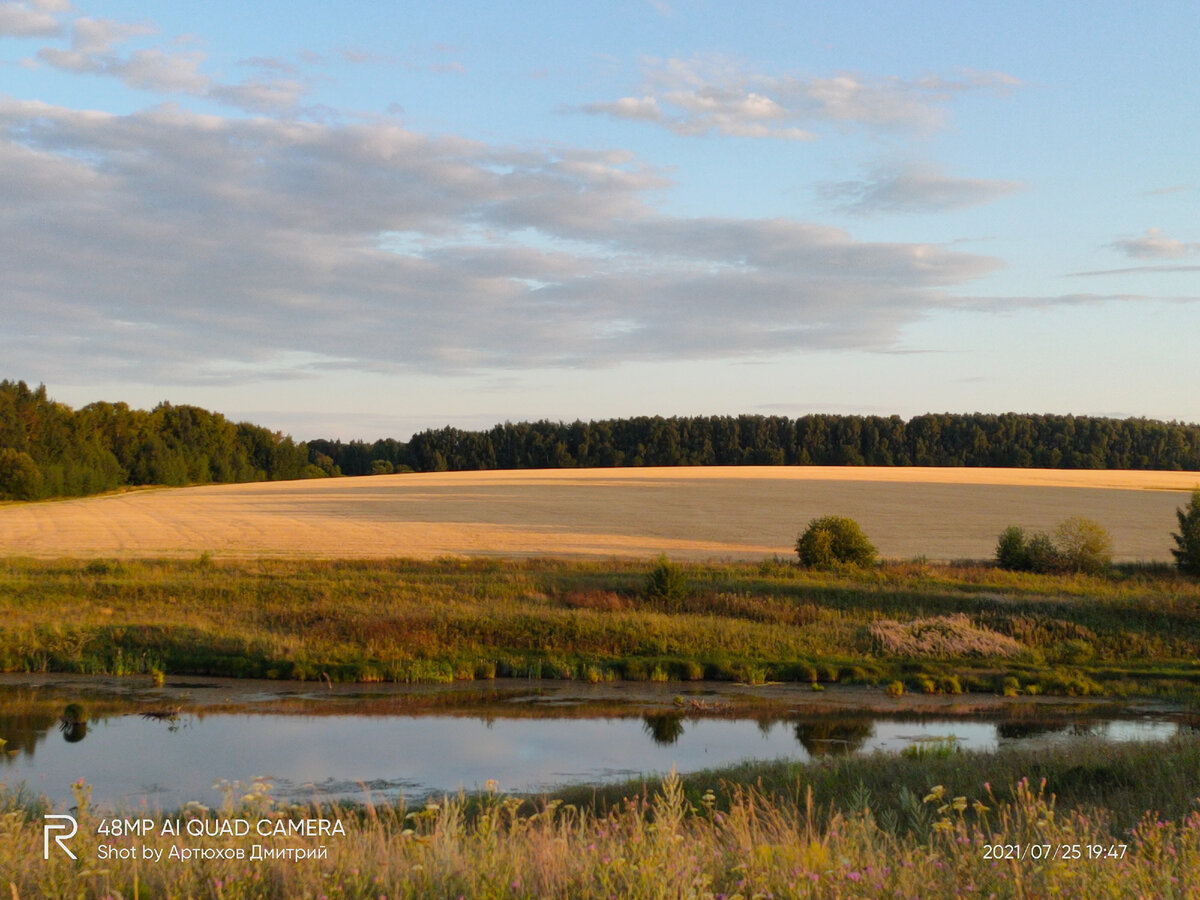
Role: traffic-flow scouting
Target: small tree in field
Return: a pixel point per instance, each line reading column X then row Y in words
column 834, row 540
column 1083, row 545
column 1187, row 550
column 666, row 584
column 1012, row 551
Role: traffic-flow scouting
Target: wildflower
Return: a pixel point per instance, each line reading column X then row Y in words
column 935, row 793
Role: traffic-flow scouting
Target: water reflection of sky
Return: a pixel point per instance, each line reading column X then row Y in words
column 130, row 761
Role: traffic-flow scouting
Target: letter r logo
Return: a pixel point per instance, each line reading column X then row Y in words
column 69, row 822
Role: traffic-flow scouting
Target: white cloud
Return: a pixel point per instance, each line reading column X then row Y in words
column 267, row 97
column 715, row 95
column 94, row 50
column 151, row 245
column 97, row 48
column 644, row 108
column 101, row 35
column 1154, row 244
column 916, row 189
column 28, row 20
column 148, row 70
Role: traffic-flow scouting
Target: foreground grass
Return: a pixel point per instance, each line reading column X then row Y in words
column 933, row 832
column 935, row 628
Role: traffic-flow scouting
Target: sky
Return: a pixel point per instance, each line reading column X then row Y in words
column 360, row 220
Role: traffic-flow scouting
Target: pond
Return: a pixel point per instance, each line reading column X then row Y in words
column 157, row 749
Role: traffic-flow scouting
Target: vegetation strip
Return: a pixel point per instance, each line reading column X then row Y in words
column 1068, row 822
column 932, row 628
column 49, row 450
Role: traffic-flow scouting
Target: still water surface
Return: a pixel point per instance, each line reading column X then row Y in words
column 133, row 762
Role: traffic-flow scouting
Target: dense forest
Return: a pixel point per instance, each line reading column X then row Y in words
column 1010, row 440
column 49, row 450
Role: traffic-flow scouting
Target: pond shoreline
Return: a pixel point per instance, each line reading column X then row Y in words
column 527, row 698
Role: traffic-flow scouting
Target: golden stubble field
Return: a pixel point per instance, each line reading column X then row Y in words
column 693, row 513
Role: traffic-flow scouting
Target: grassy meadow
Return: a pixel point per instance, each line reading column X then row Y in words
column 933, row 628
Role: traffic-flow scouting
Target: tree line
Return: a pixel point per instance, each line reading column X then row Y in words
column 49, row 450
column 976, row 439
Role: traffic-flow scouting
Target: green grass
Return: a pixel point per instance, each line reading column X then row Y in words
column 1132, row 631
column 1121, row 780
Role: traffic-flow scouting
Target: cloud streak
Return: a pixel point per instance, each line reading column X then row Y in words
column 714, row 96
column 916, row 189
column 1154, row 244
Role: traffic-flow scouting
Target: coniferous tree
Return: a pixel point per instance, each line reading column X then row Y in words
column 1187, row 541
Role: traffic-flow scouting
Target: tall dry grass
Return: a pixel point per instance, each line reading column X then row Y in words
column 943, row 637
column 742, row 844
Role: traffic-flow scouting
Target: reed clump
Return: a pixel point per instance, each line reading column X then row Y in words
column 942, row 637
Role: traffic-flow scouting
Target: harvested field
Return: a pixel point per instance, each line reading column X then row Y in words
column 696, row 513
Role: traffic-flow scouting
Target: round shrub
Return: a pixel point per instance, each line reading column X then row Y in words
column 1012, row 549
column 834, row 540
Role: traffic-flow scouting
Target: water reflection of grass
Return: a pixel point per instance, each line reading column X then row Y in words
column 877, row 827
column 933, row 628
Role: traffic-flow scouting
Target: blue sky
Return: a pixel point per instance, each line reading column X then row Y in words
column 360, row 220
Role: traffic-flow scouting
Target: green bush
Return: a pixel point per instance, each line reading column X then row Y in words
column 1042, row 554
column 1012, row 551
column 20, row 478
column 1078, row 545
column 834, row 540
column 666, row 584
column 1187, row 549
